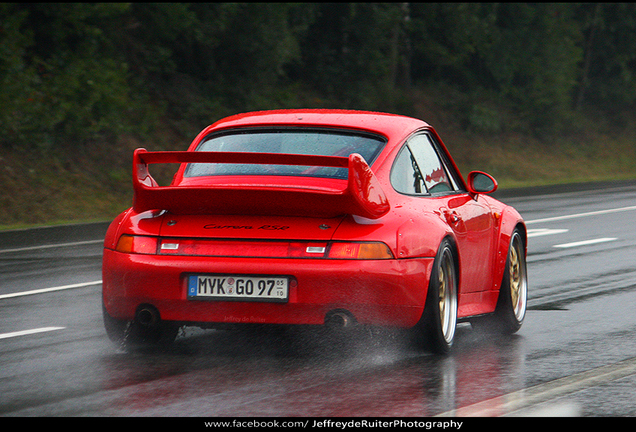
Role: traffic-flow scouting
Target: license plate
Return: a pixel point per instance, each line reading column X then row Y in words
column 238, row 287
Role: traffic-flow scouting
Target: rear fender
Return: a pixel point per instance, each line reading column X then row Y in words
column 130, row 222
column 421, row 237
column 510, row 220
column 112, row 233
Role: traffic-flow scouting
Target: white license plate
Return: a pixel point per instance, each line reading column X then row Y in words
column 238, row 287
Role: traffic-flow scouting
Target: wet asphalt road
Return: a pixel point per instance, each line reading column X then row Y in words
column 574, row 356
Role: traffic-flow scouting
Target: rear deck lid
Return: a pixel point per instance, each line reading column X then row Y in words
column 248, row 227
column 246, row 236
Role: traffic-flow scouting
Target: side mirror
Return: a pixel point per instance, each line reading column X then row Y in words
column 480, row 182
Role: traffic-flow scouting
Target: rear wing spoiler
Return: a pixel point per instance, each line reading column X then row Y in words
column 362, row 195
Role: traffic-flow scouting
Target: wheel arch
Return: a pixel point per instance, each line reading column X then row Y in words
column 510, row 222
column 456, row 258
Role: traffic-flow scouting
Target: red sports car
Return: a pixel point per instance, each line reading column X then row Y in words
column 322, row 217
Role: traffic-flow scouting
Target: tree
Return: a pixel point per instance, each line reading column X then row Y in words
column 65, row 82
column 357, row 53
column 608, row 76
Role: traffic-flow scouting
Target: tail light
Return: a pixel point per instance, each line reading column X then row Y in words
column 253, row 248
column 372, row 250
column 137, row 244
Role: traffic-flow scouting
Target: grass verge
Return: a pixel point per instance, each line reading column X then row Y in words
column 59, row 189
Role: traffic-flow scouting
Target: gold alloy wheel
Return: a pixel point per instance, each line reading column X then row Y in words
column 518, row 281
column 514, row 276
column 446, row 297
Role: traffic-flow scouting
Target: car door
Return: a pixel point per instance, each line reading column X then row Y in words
column 421, row 170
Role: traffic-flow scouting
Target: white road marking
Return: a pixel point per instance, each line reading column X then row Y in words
column 537, row 232
column 585, row 242
column 28, row 332
column 580, row 215
column 45, row 290
column 51, row 246
column 508, row 403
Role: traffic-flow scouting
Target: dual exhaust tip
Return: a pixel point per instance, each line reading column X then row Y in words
column 148, row 316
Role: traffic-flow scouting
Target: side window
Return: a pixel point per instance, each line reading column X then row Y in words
column 405, row 174
column 418, row 169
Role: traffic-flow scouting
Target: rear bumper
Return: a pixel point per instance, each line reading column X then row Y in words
column 375, row 292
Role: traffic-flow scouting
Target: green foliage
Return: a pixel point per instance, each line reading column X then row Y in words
column 16, row 76
column 525, row 54
column 608, row 78
column 74, row 74
column 83, row 84
column 64, row 82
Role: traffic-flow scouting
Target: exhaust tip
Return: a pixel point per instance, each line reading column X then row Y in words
column 147, row 316
column 339, row 319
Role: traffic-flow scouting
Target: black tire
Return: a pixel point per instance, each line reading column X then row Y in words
column 513, row 294
column 115, row 329
column 439, row 320
column 129, row 334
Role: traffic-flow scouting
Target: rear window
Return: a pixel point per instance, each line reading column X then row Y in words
column 286, row 141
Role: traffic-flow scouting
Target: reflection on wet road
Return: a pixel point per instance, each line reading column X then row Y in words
column 302, row 373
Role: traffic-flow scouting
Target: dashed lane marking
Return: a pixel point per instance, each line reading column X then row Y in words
column 537, row 232
column 585, row 242
column 580, row 215
column 50, row 246
column 46, row 290
column 28, row 332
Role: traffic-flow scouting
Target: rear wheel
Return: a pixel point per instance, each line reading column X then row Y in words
column 513, row 294
column 439, row 319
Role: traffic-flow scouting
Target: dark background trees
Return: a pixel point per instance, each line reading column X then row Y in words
column 82, row 80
